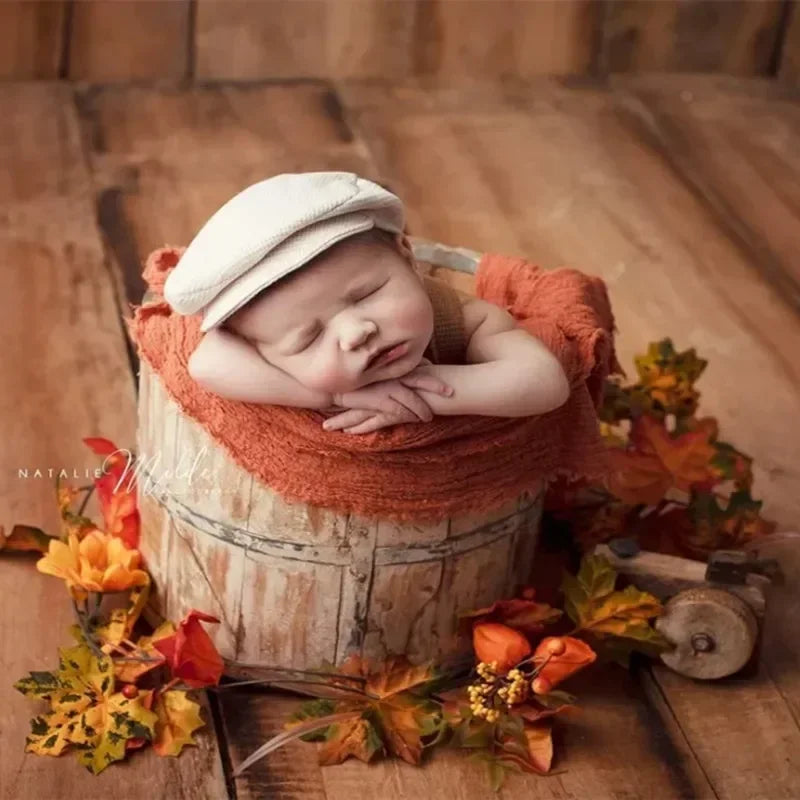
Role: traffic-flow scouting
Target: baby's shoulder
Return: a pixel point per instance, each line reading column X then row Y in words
column 476, row 312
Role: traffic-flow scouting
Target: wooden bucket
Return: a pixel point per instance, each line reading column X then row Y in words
column 295, row 584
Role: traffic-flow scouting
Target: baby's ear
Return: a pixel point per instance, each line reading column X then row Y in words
column 404, row 246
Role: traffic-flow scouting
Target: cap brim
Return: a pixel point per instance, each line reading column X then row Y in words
column 289, row 256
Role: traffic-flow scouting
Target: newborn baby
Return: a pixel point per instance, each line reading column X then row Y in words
column 337, row 317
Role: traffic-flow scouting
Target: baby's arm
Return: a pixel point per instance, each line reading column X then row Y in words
column 230, row 366
column 511, row 374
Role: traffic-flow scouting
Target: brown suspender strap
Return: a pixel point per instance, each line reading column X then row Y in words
column 448, row 344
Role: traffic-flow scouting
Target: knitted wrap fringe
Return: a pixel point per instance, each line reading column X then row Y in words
column 414, row 473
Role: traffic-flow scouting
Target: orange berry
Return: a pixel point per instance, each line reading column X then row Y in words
column 555, row 646
column 130, row 691
column 541, row 685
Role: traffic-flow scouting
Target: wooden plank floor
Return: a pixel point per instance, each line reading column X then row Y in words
column 681, row 192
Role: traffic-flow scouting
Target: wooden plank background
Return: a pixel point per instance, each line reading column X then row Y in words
column 681, row 192
column 65, row 374
column 633, row 181
column 450, row 42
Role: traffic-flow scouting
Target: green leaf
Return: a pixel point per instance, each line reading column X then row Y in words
column 596, row 575
column 38, row 684
column 312, row 709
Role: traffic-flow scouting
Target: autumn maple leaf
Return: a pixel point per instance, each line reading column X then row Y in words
column 85, row 711
column 178, row 718
column 25, row 538
column 657, row 461
column 592, row 602
column 372, row 708
column 522, row 614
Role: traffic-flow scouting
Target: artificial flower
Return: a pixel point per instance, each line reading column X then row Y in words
column 98, row 562
column 560, row 657
column 495, row 642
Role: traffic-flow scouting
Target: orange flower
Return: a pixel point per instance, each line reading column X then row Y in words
column 564, row 656
column 98, row 562
column 495, row 642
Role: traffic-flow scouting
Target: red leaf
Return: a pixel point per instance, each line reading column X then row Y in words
column 524, row 615
column 103, row 447
column 116, row 491
column 190, row 653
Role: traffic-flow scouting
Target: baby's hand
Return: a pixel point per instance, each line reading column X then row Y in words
column 386, row 403
column 362, row 420
column 420, row 378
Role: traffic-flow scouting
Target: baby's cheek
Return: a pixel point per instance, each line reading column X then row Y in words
column 325, row 378
column 415, row 318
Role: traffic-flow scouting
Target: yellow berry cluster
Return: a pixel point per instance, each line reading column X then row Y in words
column 483, row 691
column 509, row 689
column 517, row 690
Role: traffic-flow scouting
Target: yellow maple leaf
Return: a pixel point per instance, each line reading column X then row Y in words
column 178, row 718
column 595, row 606
column 618, row 612
column 131, row 671
column 85, row 710
column 122, row 620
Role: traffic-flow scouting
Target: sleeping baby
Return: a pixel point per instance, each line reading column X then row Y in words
column 311, row 298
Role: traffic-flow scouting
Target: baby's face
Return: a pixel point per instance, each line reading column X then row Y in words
column 322, row 324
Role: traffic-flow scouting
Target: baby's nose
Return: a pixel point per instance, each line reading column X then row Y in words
column 355, row 335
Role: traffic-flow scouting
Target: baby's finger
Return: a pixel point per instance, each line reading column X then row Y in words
column 368, row 426
column 353, row 416
column 428, row 383
column 413, row 403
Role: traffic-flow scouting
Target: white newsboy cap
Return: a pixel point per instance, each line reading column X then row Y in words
column 270, row 229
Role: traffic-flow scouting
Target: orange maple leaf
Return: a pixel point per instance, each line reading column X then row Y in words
column 658, row 461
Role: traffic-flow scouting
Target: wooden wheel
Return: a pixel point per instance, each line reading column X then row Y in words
column 713, row 630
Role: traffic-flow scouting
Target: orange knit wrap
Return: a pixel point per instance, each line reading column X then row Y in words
column 420, row 472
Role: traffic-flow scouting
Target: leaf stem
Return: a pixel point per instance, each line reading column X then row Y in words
column 93, row 646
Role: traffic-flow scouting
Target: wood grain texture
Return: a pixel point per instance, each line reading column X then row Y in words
column 619, row 745
column 170, row 158
column 502, row 40
column 294, row 585
column 564, row 177
column 450, row 42
column 65, row 375
column 32, row 37
column 732, row 142
column 781, row 638
column 572, row 177
column 789, row 67
column 560, row 175
column 129, row 40
column 728, row 36
column 302, row 39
